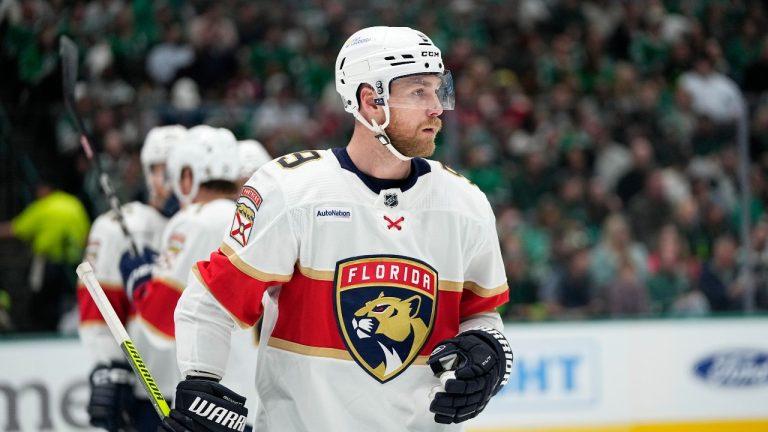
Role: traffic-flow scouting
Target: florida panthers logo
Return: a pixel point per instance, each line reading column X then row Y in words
column 385, row 310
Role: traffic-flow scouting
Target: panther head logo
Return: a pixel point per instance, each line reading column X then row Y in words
column 391, row 321
column 385, row 309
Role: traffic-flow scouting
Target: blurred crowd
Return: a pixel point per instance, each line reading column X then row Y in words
column 605, row 133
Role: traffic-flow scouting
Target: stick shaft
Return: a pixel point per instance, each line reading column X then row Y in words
column 85, row 272
column 69, row 58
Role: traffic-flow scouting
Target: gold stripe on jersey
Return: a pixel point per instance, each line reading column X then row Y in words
column 196, row 273
column 324, row 275
column 93, row 322
column 485, row 292
column 154, row 330
column 446, row 285
column 309, row 350
column 328, row 275
column 99, row 322
column 107, row 285
column 324, row 352
column 250, row 270
column 171, row 283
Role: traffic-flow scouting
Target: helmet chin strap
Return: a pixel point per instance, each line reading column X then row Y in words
column 381, row 135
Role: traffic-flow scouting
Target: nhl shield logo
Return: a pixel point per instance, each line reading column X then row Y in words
column 385, row 309
column 390, row 200
column 245, row 212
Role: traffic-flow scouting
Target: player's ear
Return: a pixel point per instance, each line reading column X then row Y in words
column 368, row 107
column 367, row 98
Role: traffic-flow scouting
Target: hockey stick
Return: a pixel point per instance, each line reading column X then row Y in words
column 69, row 59
column 85, row 272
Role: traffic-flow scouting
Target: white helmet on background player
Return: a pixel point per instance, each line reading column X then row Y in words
column 157, row 146
column 252, row 155
column 210, row 154
column 378, row 55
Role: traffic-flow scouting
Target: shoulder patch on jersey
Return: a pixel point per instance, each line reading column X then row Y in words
column 246, row 207
column 385, row 307
column 172, row 250
column 252, row 195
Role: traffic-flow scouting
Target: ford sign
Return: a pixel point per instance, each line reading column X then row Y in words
column 734, row 368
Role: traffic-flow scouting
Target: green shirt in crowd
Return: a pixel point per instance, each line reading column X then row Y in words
column 56, row 225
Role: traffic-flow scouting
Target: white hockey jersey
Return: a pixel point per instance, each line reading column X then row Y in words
column 364, row 278
column 190, row 236
column 106, row 244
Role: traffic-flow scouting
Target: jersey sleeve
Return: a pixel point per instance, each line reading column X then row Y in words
column 184, row 243
column 105, row 245
column 259, row 250
column 485, row 281
column 202, row 347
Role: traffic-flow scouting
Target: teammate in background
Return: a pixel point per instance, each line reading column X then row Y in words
column 383, row 269
column 112, row 405
column 203, row 174
column 252, row 156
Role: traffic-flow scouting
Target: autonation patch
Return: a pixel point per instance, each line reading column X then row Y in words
column 343, row 214
column 734, row 368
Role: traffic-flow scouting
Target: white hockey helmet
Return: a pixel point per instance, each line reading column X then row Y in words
column 211, row 154
column 158, row 144
column 252, row 155
column 378, row 55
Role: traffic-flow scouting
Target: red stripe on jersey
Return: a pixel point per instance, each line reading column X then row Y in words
column 472, row 304
column 447, row 321
column 156, row 305
column 89, row 312
column 307, row 315
column 306, row 305
column 238, row 292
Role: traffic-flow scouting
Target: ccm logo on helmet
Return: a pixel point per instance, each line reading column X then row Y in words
column 430, row 54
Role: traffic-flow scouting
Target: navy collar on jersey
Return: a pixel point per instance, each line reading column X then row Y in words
column 419, row 167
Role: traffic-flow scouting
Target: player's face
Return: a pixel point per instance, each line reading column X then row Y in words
column 186, row 181
column 414, row 111
column 157, row 181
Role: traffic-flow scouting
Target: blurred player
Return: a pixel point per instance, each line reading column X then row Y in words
column 383, row 269
column 252, row 156
column 112, row 405
column 204, row 175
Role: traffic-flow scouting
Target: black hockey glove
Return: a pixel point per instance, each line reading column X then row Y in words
column 136, row 271
column 204, row 405
column 472, row 367
column 111, row 398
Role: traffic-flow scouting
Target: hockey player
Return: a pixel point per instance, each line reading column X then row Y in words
column 252, row 155
column 203, row 174
column 112, row 405
column 383, row 268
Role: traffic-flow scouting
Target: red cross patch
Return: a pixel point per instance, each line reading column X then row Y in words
column 245, row 212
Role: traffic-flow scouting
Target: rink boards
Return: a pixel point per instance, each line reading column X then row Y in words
column 607, row 376
column 638, row 376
